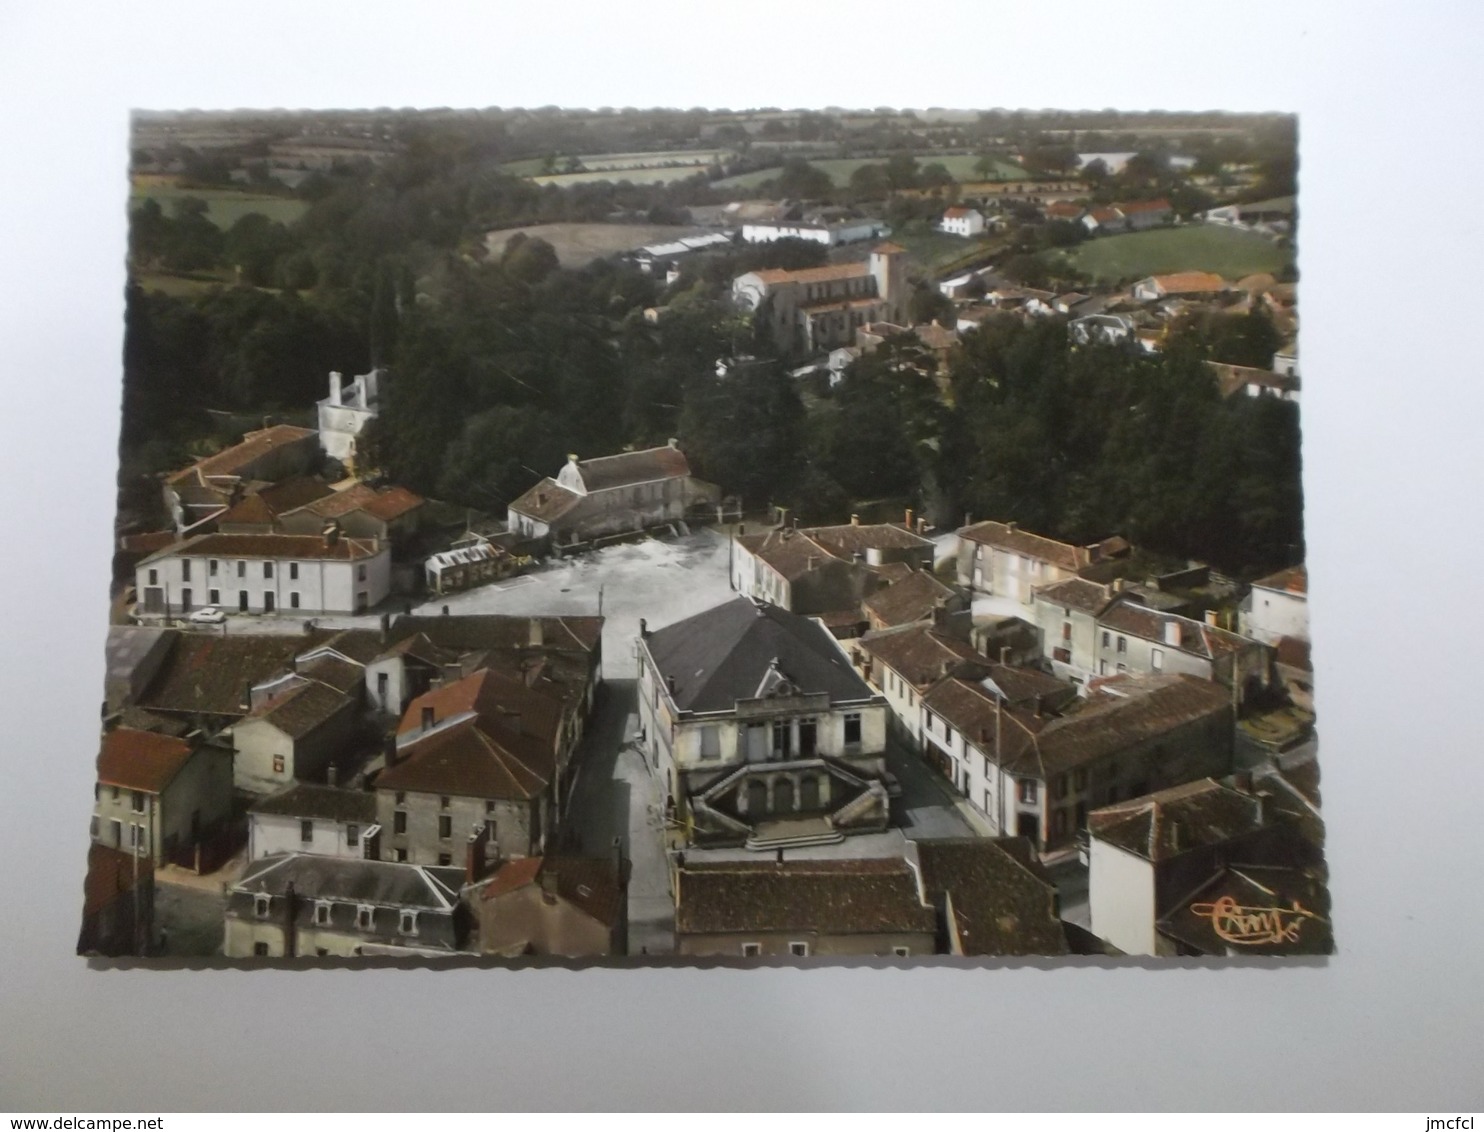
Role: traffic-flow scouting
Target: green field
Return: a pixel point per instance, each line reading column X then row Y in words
column 960, row 166
column 930, row 250
column 1229, row 252
column 225, row 206
column 633, row 176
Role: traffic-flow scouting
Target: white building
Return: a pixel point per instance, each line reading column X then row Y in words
column 265, row 574
column 1277, row 607
column 344, row 413
column 958, row 221
column 831, row 228
column 322, row 820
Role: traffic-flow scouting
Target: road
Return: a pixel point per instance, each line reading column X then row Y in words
column 929, row 808
column 615, row 796
column 190, row 918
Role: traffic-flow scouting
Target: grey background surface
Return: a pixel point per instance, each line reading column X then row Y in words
column 1391, row 109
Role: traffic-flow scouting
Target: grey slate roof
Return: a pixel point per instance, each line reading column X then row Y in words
column 724, row 655
column 384, row 883
column 305, row 800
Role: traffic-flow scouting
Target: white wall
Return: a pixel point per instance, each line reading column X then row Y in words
column 1275, row 613
column 321, row 586
column 268, row 834
column 1120, row 895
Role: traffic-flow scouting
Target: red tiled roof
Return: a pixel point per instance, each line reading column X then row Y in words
column 887, row 248
column 273, row 546
column 1189, row 282
column 1295, row 580
column 827, row 274
column 146, row 543
column 253, row 446
column 1007, row 536
column 547, row 502
column 1127, row 207
column 141, row 760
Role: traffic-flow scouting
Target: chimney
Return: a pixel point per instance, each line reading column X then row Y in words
column 1118, row 585
column 332, row 775
column 445, row 611
column 386, row 626
column 335, row 387
column 855, row 520
column 1012, row 527
column 389, row 752
column 535, row 633
column 331, row 532
column 1213, row 619
column 428, row 717
column 1005, row 655
column 780, row 856
column 908, row 521
column 921, row 526
column 1172, row 633
column 674, row 442
column 643, row 629
column 1264, row 807
column 1242, row 781
column 968, row 518
column 571, row 457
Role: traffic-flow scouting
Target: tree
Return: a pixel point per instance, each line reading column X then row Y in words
column 254, row 245
column 901, row 171
column 868, row 182
column 935, row 176
column 743, row 431
column 928, row 304
column 799, row 180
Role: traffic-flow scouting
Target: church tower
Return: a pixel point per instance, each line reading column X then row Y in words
column 889, row 269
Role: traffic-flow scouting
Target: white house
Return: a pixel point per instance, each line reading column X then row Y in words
column 831, row 227
column 323, row 820
column 265, row 573
column 754, row 722
column 959, row 221
column 345, row 412
column 1004, row 560
column 1277, row 607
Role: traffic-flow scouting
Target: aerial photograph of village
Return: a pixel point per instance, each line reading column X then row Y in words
column 748, row 536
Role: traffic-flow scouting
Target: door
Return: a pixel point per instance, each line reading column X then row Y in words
column 757, row 799
column 185, row 600
column 809, row 794
column 808, row 738
column 268, row 603
column 1028, row 825
column 242, row 601
column 783, row 796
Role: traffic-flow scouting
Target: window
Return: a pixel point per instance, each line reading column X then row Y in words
column 321, row 913
column 929, row 717
column 1027, row 790
column 1066, row 630
column 154, row 577
column 901, row 952
column 399, row 822
column 443, row 801
column 711, row 742
column 360, row 573
column 137, row 801
column 363, row 917
column 1060, row 790
column 260, row 907
column 1123, row 644
column 445, row 859
column 293, row 571
column 401, row 796
column 489, row 807
column 1157, row 659
column 185, row 569
column 948, row 734
column 321, row 951
column 294, row 599
column 214, row 596
column 445, row 827
column 401, row 855
column 407, row 923
column 136, row 836
column 306, row 831
column 211, row 567
column 751, row 949
column 1107, row 638
column 852, row 729
column 260, row 949
column 352, row 835
column 798, row 949
column 267, row 569
column 278, row 764
column 241, row 569
column 115, row 793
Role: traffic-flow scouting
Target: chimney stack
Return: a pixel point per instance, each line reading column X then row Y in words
column 385, row 626
column 674, row 442
column 331, row 532
column 908, row 521
column 335, row 387
column 855, row 520
column 1213, row 619
column 1012, row 527
column 643, row 629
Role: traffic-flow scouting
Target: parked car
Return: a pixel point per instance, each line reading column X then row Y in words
column 208, row 615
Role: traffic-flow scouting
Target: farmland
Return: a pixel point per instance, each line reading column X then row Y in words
column 224, row 206
column 1229, row 252
column 961, row 166
column 580, row 244
column 636, row 168
column 652, row 176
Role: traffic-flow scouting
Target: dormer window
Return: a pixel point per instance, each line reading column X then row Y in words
column 322, row 913
column 407, row 923
column 363, row 917
column 261, row 905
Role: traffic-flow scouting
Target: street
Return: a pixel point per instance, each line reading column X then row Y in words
column 614, row 796
column 190, row 919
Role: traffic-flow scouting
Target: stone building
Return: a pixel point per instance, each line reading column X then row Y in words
column 346, row 412
column 157, row 795
column 759, row 728
column 196, row 495
column 612, row 495
column 1001, row 559
column 818, row 309
column 575, row 907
